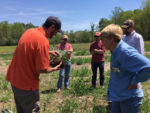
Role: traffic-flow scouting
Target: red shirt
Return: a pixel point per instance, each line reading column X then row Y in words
column 66, row 46
column 97, row 57
column 31, row 54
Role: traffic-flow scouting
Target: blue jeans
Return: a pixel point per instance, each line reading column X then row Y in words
column 64, row 71
column 96, row 65
column 131, row 105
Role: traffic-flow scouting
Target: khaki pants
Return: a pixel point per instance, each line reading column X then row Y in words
column 26, row 101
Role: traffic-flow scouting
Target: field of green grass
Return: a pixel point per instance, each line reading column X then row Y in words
column 80, row 98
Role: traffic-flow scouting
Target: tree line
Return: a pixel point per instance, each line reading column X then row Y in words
column 11, row 33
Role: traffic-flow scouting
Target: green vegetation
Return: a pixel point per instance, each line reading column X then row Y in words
column 80, row 98
column 7, row 49
column 147, row 55
column 147, row 47
column 83, row 72
column 80, row 61
column 7, row 56
column 82, row 52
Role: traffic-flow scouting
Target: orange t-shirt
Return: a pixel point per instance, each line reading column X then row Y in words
column 31, row 54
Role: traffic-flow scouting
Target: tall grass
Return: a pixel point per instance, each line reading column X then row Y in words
column 83, row 72
column 82, row 52
column 69, row 106
column 7, row 56
column 147, row 47
column 80, row 61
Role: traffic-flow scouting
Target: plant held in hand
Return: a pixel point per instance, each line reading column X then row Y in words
column 55, row 60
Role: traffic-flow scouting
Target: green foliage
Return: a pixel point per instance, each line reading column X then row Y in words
column 80, row 88
column 81, row 72
column 70, row 106
column 103, row 23
column 16, row 31
column 99, row 109
column 3, row 83
column 82, row 52
column 11, row 33
column 148, row 56
column 80, row 61
column 147, row 47
column 55, row 60
column 145, row 107
column 7, row 56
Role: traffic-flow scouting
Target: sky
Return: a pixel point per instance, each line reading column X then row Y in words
column 74, row 14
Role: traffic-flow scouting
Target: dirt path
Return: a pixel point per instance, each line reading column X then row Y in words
column 3, row 67
column 87, row 65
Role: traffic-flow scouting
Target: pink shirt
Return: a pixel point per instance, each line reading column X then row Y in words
column 97, row 57
column 66, row 46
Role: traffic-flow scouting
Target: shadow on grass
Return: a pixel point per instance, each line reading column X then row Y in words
column 101, row 109
column 49, row 91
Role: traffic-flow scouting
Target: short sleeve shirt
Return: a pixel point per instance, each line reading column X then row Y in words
column 31, row 54
column 97, row 57
column 66, row 46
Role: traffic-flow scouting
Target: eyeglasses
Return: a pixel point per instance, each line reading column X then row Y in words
column 64, row 39
column 96, row 36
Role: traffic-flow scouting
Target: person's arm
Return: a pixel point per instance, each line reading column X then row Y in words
column 54, row 53
column 50, row 69
column 92, row 52
column 99, row 51
column 70, row 49
column 140, row 45
column 141, row 76
column 138, row 64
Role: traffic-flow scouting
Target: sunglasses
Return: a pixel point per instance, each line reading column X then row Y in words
column 96, row 36
column 65, row 39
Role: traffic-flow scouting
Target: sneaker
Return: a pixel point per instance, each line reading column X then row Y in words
column 58, row 90
column 102, row 87
column 67, row 88
column 93, row 86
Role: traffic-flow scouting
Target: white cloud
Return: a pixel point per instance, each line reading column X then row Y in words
column 9, row 8
column 75, row 27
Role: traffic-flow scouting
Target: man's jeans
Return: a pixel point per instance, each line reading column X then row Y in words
column 96, row 65
column 131, row 105
column 65, row 71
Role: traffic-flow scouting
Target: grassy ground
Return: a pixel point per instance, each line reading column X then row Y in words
column 80, row 98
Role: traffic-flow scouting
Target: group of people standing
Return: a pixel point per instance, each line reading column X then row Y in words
column 128, row 66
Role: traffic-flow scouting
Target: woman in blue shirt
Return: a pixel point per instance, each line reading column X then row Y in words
column 128, row 69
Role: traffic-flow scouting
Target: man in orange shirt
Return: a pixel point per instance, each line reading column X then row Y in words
column 31, row 58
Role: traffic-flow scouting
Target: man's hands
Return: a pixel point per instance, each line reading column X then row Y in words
column 97, row 51
column 58, row 66
column 54, row 53
column 50, row 69
column 137, row 86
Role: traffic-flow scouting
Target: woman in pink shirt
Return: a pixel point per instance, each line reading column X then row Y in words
column 65, row 46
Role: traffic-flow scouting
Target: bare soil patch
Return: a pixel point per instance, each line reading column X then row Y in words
column 3, row 67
